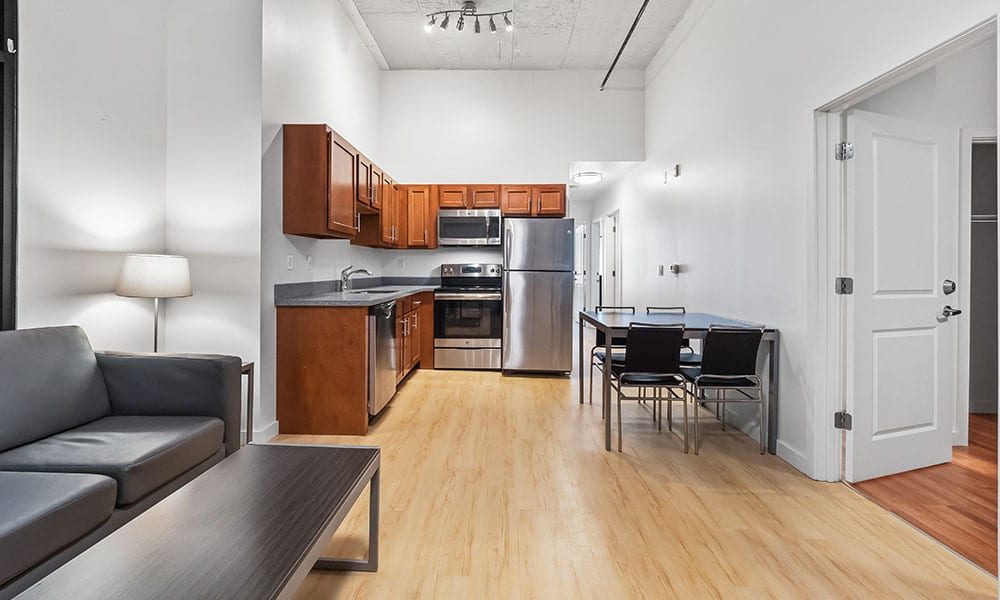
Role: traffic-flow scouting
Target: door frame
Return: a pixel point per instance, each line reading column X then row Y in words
column 830, row 315
column 969, row 137
column 615, row 216
column 597, row 269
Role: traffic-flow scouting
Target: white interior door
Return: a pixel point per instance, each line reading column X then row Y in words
column 902, row 198
column 596, row 262
column 580, row 272
column 612, row 268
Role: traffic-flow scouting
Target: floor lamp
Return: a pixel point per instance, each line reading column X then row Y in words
column 154, row 276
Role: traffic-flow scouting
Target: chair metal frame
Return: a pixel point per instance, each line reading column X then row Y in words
column 594, row 362
column 753, row 394
column 658, row 398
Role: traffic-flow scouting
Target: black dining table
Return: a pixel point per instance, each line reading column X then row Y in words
column 616, row 324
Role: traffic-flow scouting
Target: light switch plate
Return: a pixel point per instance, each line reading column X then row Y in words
column 660, row 270
column 291, row 262
column 309, row 262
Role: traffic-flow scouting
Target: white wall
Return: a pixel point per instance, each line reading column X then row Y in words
column 316, row 69
column 733, row 104
column 213, row 164
column 91, row 162
column 506, row 126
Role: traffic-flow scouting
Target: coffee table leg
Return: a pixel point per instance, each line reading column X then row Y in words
column 352, row 564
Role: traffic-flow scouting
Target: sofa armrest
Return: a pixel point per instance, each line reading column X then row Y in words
column 202, row 385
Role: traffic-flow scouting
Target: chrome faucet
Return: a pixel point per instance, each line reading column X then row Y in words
column 345, row 276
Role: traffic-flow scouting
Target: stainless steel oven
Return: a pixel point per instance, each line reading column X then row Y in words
column 469, row 227
column 468, row 317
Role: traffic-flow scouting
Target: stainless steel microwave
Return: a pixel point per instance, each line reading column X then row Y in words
column 469, row 227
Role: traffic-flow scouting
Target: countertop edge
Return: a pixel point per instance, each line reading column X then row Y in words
column 342, row 299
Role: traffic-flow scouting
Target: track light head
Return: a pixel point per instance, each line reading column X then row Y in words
column 461, row 22
column 445, row 21
column 429, row 27
column 493, row 26
column 506, row 22
column 478, row 27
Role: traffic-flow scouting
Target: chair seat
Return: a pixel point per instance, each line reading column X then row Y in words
column 617, row 355
column 693, row 373
column 42, row 513
column 140, row 453
column 642, row 379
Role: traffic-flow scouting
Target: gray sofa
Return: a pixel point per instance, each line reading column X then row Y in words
column 90, row 440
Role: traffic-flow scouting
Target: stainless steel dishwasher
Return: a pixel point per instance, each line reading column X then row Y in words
column 382, row 356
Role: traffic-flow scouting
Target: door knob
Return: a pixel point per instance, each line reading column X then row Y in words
column 947, row 312
column 948, row 287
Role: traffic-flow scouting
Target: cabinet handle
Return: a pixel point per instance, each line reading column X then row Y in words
column 357, row 221
column 415, row 321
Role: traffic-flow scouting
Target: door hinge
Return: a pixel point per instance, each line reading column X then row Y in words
column 842, row 420
column 843, row 285
column 844, row 151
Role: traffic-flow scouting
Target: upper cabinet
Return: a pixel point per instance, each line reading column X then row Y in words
column 484, row 196
column 533, row 200
column 419, row 216
column 319, row 182
column 453, row 196
column 366, row 181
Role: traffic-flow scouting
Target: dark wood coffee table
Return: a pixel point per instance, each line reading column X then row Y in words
column 252, row 526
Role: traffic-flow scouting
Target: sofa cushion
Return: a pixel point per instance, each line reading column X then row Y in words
column 51, row 383
column 42, row 513
column 140, row 453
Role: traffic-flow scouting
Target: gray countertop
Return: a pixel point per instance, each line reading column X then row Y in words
column 371, row 297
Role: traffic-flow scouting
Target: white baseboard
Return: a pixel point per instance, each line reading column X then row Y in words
column 793, row 457
column 262, row 434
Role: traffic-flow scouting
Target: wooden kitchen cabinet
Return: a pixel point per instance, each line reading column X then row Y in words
column 453, row 196
column 549, row 201
column 365, row 181
column 515, row 200
column 426, row 329
column 376, row 193
column 484, row 196
column 322, row 370
column 419, row 214
column 318, row 183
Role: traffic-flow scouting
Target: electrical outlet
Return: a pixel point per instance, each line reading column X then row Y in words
column 400, row 263
column 291, row 262
column 309, row 262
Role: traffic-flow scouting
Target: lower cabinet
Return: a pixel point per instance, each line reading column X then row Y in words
column 322, row 362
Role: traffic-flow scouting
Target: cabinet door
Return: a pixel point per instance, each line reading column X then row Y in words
column 484, row 196
column 426, row 329
column 549, row 201
column 376, row 190
column 400, row 346
column 418, row 211
column 453, row 196
column 341, row 188
column 387, row 212
column 364, row 180
column 414, row 338
column 515, row 200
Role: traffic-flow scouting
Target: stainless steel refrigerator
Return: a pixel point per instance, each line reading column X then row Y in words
column 538, row 295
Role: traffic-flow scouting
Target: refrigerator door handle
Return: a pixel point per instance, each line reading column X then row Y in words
column 507, row 233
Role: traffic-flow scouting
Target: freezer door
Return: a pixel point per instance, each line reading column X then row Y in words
column 538, row 321
column 538, row 244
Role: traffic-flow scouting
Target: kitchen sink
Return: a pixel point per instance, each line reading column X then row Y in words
column 373, row 292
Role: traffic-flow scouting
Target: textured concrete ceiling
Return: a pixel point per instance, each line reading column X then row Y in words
column 548, row 34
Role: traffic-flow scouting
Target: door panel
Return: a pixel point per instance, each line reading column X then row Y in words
column 340, row 205
column 550, row 201
column 902, row 198
column 484, row 196
column 453, row 196
column 418, row 210
column 515, row 200
column 538, row 244
column 537, row 321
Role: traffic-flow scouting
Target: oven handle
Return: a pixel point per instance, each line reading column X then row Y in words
column 464, row 296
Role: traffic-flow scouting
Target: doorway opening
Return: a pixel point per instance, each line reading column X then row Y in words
column 908, row 167
column 612, row 259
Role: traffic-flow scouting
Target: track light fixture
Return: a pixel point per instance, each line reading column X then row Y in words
column 469, row 10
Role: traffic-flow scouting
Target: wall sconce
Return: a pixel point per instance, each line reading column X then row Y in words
column 672, row 173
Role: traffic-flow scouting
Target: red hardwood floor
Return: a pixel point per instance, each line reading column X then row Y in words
column 955, row 503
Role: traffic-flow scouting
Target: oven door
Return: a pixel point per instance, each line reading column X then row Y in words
column 468, row 320
column 469, row 228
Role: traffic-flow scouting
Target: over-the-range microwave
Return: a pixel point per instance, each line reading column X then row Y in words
column 469, row 227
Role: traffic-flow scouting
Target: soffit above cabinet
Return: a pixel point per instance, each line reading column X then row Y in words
column 548, row 34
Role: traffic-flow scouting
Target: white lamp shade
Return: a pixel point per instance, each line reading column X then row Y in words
column 154, row 276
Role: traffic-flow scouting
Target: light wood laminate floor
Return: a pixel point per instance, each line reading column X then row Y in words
column 499, row 487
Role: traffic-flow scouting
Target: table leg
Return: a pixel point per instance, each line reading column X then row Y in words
column 579, row 365
column 772, row 396
column 606, row 390
column 369, row 564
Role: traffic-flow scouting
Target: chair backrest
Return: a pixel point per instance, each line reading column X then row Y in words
column 731, row 350
column 653, row 348
column 50, row 383
column 612, row 309
column 665, row 309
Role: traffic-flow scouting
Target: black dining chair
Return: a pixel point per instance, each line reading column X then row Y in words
column 688, row 355
column 652, row 355
column 728, row 368
column 598, row 353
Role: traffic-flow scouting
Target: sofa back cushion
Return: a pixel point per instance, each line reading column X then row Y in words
column 49, row 382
